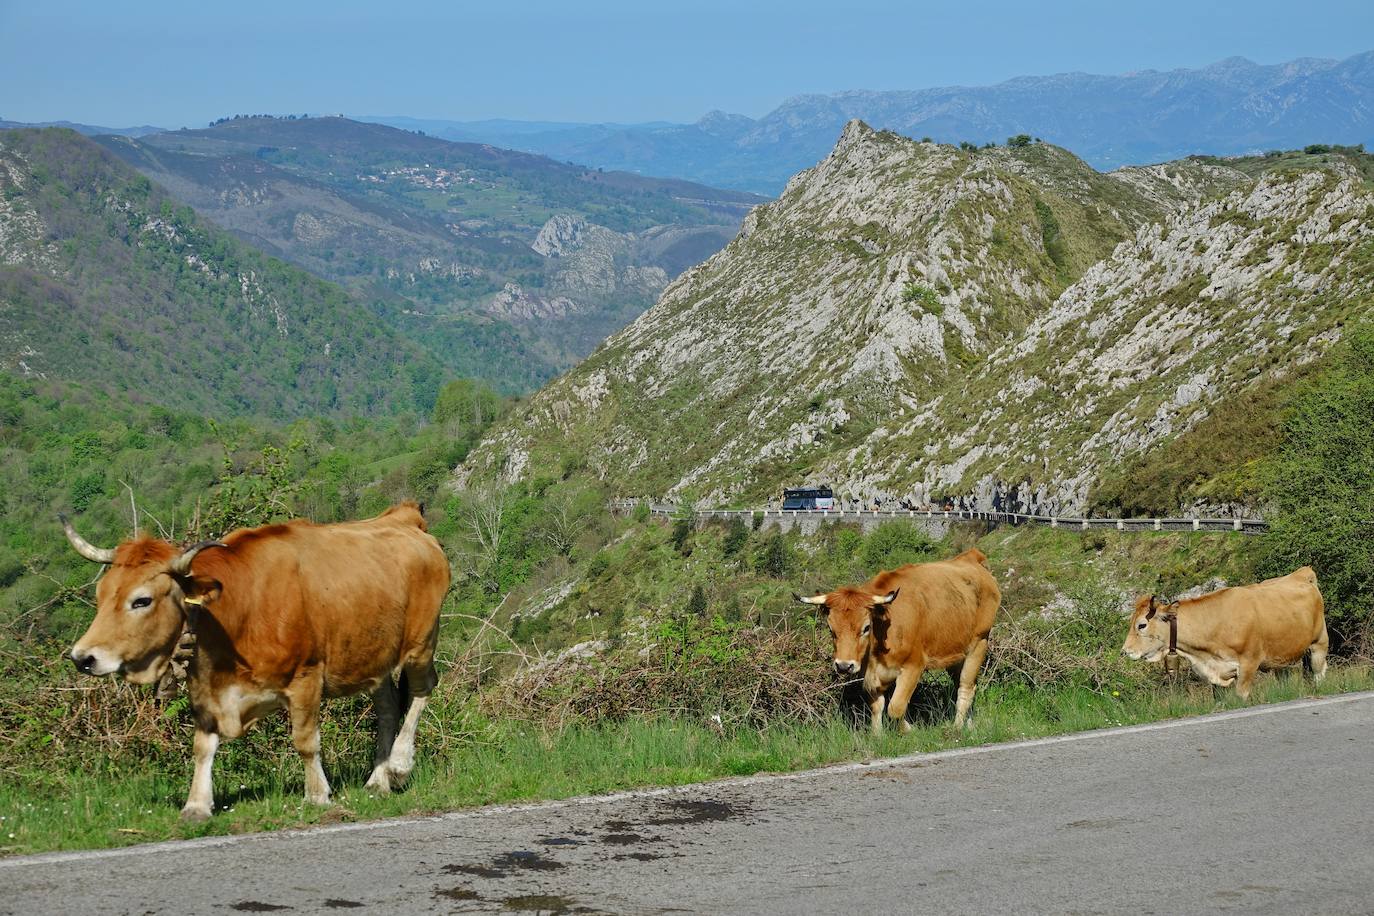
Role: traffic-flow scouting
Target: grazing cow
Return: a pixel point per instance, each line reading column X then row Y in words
column 283, row 615
column 903, row 621
column 1229, row 634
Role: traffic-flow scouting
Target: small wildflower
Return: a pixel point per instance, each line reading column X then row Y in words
column 1116, row 693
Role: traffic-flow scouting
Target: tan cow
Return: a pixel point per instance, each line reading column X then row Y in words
column 1229, row 634
column 283, row 615
column 904, row 621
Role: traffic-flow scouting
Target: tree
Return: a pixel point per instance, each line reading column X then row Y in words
column 1019, row 140
column 566, row 514
column 480, row 521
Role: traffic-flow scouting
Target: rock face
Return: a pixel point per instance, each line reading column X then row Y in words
column 913, row 320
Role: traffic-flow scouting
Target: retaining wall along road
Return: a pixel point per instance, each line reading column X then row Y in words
column 937, row 521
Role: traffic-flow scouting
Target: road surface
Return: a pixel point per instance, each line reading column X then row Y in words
column 1262, row 810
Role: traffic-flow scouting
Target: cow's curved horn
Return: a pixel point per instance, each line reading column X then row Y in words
column 84, row 547
column 886, row 599
column 816, row 599
column 181, row 566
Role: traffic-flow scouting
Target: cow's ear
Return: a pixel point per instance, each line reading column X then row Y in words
column 201, row 589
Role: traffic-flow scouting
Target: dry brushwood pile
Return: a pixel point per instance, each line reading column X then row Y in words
column 751, row 677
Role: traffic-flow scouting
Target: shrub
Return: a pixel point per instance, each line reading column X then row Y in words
column 773, row 560
column 736, row 536
column 1320, row 486
column 682, row 531
column 923, row 296
column 1019, row 140
column 893, row 544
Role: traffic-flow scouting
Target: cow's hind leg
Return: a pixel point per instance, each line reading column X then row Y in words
column 968, row 680
column 1316, row 656
column 387, row 702
column 420, row 680
column 303, row 698
column 201, row 801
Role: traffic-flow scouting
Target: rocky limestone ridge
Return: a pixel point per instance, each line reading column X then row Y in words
column 914, row 320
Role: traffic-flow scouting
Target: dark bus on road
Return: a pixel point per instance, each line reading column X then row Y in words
column 808, row 498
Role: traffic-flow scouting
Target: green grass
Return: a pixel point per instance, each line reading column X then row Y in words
column 129, row 805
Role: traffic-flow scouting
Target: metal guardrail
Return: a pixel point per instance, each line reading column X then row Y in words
column 1244, row 525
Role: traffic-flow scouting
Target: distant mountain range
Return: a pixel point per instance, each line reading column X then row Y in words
column 509, row 266
column 90, row 130
column 1233, row 107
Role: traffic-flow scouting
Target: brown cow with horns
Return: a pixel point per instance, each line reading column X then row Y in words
column 903, row 621
column 283, row 615
column 1229, row 634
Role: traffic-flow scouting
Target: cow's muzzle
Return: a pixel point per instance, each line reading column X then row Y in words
column 95, row 662
column 844, row 667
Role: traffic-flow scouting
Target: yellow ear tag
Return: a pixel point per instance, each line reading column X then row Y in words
column 198, row 602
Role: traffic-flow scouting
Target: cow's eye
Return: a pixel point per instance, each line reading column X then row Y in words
column 141, row 602
column 1140, row 626
column 864, row 631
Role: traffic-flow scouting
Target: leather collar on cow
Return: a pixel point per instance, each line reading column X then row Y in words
column 1171, row 618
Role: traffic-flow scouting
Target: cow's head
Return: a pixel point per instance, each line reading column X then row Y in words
column 1148, row 636
column 856, row 619
column 140, row 606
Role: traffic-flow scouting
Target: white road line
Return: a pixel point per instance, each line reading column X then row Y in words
column 166, row 846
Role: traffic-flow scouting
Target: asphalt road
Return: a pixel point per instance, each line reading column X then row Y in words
column 1269, row 809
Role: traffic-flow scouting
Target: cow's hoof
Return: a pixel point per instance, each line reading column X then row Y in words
column 322, row 799
column 379, row 783
column 195, row 814
column 398, row 776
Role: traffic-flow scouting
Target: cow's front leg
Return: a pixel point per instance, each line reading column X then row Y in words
column 968, row 681
column 201, row 801
column 1245, row 678
column 877, row 702
column 304, row 699
column 901, row 695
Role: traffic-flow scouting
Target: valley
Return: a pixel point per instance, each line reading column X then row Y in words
column 507, row 266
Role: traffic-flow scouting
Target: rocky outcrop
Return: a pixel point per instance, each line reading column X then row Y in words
column 913, row 320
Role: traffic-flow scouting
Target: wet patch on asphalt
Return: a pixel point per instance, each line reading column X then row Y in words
column 257, row 906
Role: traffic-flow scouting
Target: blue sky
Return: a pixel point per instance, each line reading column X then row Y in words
column 181, row 64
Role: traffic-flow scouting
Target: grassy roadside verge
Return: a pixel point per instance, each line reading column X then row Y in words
column 508, row 763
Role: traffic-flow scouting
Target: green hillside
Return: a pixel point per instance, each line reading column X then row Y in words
column 508, row 266
column 105, row 279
